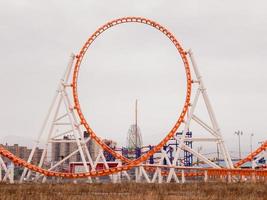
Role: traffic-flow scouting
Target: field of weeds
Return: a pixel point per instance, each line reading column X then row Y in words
column 130, row 191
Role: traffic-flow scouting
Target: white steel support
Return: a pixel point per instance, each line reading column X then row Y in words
column 46, row 121
column 124, row 172
column 201, row 157
column 56, row 119
column 204, row 125
column 76, row 126
column 2, row 167
column 186, row 129
column 137, row 174
column 116, row 178
column 172, row 173
column 183, row 176
column 213, row 129
column 213, row 119
column 63, row 160
column 11, row 168
column 101, row 159
column 9, row 171
column 73, row 126
column 156, row 175
column 158, row 170
column 53, row 119
column 44, row 153
column 142, row 172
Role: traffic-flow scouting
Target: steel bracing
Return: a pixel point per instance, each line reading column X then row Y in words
column 6, row 172
column 73, row 124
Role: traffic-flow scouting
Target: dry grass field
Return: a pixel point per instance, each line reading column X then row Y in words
column 130, row 191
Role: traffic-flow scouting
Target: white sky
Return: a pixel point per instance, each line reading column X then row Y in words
column 134, row 61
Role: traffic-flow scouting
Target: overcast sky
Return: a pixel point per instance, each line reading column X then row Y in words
column 229, row 40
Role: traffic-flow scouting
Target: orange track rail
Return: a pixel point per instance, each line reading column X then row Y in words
column 194, row 171
column 263, row 147
column 198, row 171
column 75, row 92
column 129, row 163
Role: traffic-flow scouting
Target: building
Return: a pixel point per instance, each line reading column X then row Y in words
column 23, row 152
column 61, row 148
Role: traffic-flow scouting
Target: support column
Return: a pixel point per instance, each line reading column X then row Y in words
column 65, row 77
column 213, row 119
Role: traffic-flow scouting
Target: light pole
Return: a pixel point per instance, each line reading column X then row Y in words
column 198, row 150
column 218, row 155
column 251, row 135
column 239, row 133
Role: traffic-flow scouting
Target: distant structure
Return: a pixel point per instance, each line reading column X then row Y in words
column 134, row 136
column 112, row 144
column 65, row 146
column 92, row 147
column 62, row 148
column 23, row 152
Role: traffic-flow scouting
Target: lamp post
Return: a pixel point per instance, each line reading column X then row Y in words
column 198, row 150
column 239, row 133
column 251, row 148
column 251, row 135
column 218, row 155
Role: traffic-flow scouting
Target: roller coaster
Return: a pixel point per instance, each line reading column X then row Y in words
column 139, row 168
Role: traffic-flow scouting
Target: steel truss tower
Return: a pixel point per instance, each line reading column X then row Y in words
column 76, row 131
column 74, row 122
column 213, row 130
column 70, row 128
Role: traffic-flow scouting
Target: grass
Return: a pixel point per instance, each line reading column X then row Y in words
column 130, row 191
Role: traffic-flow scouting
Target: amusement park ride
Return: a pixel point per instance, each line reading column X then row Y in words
column 67, row 112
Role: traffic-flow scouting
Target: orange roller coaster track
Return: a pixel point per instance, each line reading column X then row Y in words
column 252, row 155
column 129, row 163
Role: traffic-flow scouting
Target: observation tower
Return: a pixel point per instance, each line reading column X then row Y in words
column 134, row 136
